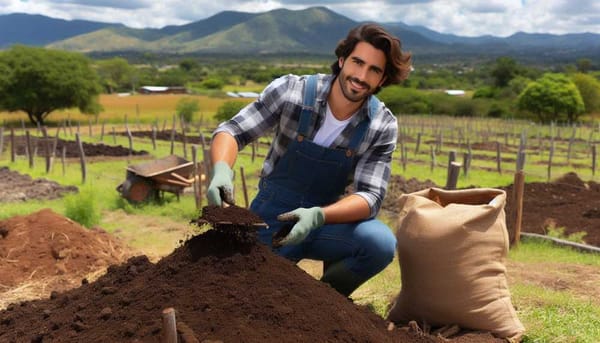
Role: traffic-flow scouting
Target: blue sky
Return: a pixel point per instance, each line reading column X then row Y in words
column 461, row 17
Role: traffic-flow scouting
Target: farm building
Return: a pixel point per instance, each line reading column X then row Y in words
column 162, row 90
column 455, row 92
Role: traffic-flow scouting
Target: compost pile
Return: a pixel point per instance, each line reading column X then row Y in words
column 567, row 202
column 221, row 290
column 18, row 187
column 45, row 251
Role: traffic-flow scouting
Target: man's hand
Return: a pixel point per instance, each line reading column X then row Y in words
column 220, row 188
column 307, row 219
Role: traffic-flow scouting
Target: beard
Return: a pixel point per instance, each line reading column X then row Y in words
column 351, row 93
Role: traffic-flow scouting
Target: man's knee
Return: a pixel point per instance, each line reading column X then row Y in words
column 379, row 242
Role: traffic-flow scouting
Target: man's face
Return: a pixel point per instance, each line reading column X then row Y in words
column 361, row 72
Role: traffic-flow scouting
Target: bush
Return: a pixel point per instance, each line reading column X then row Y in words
column 213, row 83
column 485, row 92
column 496, row 111
column 187, row 108
column 82, row 208
column 464, row 108
column 228, row 110
column 405, row 100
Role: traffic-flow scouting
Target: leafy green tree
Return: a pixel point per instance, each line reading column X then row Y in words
column 553, row 97
column 187, row 108
column 189, row 64
column 504, row 70
column 589, row 88
column 229, row 109
column 584, row 65
column 40, row 81
column 116, row 74
column 213, row 83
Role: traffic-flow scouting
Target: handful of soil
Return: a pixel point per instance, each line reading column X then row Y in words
column 229, row 217
column 238, row 223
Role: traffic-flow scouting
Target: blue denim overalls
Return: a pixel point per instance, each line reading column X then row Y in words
column 310, row 175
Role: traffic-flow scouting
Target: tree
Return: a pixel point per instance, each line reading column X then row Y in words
column 552, row 96
column 584, row 65
column 187, row 108
column 589, row 88
column 116, row 74
column 505, row 69
column 40, row 81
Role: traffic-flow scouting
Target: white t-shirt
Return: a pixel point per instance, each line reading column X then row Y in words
column 330, row 129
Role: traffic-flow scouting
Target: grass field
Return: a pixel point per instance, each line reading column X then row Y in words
column 550, row 314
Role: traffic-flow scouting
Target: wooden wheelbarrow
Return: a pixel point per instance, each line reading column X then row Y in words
column 147, row 180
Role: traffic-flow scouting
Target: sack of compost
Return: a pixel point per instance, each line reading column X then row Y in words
column 452, row 247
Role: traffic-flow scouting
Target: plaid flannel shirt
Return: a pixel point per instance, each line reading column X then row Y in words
column 278, row 107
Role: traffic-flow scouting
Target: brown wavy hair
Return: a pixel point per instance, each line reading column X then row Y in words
column 398, row 63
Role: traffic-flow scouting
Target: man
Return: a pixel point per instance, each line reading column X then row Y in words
column 330, row 130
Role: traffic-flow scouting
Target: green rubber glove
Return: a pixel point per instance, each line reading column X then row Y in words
column 220, row 188
column 307, row 219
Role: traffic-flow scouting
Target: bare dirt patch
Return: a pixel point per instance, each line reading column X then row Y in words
column 18, row 187
column 44, row 252
column 71, row 149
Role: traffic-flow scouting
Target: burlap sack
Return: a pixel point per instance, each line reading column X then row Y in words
column 452, row 247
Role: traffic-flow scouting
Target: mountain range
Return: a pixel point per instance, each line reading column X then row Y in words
column 314, row 31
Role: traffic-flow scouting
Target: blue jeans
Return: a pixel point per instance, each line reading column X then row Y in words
column 365, row 247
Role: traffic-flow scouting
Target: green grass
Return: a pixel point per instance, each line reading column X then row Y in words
column 553, row 316
column 536, row 251
column 549, row 315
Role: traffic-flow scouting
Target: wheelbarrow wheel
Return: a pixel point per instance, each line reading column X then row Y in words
column 137, row 189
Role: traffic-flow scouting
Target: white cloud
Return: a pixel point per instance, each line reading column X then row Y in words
column 461, row 17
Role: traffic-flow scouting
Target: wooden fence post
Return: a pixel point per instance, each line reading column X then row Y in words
column 466, row 162
column 183, row 137
column 81, row 157
column 518, row 190
column 153, row 137
column 594, row 160
column 173, row 136
column 196, row 176
column 498, row 158
column 520, row 160
column 102, row 131
column 245, row 190
column 453, row 172
column 550, row 155
column 432, row 153
column 29, row 148
column 46, row 148
column 12, row 145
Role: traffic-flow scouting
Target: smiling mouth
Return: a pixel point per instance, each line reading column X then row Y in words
column 357, row 84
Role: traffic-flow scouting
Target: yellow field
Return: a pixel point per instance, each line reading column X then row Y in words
column 138, row 108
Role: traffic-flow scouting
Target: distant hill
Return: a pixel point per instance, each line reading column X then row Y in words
column 314, row 30
column 19, row 28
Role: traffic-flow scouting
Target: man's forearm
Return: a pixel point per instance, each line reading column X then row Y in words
column 223, row 148
column 348, row 209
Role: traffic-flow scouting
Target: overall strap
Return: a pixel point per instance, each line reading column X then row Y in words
column 308, row 105
column 362, row 127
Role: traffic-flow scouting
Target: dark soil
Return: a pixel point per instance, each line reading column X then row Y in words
column 71, row 149
column 18, row 187
column 222, row 290
column 566, row 202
